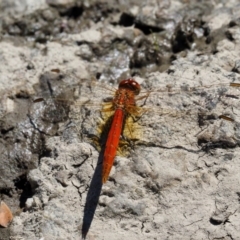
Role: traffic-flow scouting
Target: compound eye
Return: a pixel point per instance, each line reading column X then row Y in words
column 130, row 84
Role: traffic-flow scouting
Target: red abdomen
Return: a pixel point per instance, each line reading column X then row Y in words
column 112, row 143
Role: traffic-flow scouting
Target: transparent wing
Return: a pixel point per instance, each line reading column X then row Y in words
column 166, row 107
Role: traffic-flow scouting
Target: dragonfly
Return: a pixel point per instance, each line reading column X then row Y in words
column 122, row 109
column 124, row 104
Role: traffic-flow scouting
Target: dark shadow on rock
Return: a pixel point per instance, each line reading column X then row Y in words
column 96, row 183
column 92, row 197
column 21, row 183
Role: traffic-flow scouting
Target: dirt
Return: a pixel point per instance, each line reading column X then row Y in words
column 180, row 174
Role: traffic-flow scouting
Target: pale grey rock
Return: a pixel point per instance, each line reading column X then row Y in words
column 168, row 187
column 29, row 203
column 60, row 2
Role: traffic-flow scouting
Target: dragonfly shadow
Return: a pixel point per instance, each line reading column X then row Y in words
column 96, row 183
column 92, row 197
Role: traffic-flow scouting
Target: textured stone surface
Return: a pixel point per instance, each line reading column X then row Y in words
column 180, row 179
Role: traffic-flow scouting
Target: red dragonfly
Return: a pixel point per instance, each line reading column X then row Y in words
column 123, row 106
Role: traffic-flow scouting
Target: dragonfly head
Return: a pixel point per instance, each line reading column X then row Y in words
column 130, row 84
